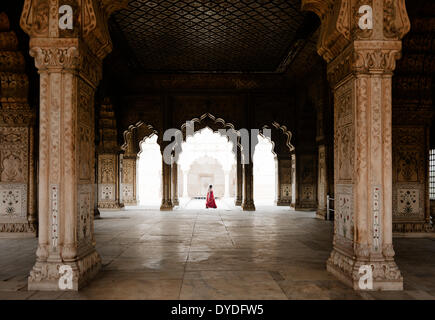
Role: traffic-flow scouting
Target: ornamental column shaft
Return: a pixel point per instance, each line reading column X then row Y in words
column 248, row 187
column 361, row 51
column 69, row 62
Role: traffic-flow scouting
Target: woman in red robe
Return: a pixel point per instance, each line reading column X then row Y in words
column 210, row 203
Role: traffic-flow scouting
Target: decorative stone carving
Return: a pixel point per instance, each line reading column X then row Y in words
column 17, row 197
column 13, row 202
column 128, row 183
column 109, row 190
column 283, row 181
column 410, row 208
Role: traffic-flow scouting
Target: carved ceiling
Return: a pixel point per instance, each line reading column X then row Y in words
column 212, row 36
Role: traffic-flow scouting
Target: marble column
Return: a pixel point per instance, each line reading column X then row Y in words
column 175, row 201
column 239, row 179
column 167, row 204
column 109, row 181
column 283, row 180
column 322, row 182
column 248, row 187
column 108, row 164
column 128, row 179
column 304, row 179
column 18, row 216
column 361, row 53
column 69, row 63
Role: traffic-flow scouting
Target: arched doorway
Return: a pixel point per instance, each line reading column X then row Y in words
column 207, row 159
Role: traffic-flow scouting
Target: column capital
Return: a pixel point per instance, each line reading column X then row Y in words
column 364, row 57
column 40, row 19
column 71, row 55
column 340, row 22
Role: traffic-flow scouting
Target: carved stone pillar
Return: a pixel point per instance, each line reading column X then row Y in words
column 239, row 179
column 128, row 180
column 361, row 54
column 175, row 201
column 167, row 204
column 108, row 181
column 322, row 182
column 17, row 120
column 70, row 66
column 248, row 187
column 108, row 160
column 283, row 182
column 304, row 184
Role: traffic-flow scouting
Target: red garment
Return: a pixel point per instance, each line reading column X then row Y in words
column 210, row 203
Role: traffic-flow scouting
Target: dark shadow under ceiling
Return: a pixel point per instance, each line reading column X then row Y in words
column 212, row 36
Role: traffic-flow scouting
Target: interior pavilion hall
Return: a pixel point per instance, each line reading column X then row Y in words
column 311, row 119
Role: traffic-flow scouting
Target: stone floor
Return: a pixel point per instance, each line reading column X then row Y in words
column 272, row 253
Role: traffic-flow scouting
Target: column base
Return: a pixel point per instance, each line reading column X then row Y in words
column 238, row 202
column 166, row 206
column 176, row 202
column 248, row 206
column 386, row 274
column 45, row 275
column 403, row 227
column 321, row 214
column 17, row 230
column 130, row 203
column 298, row 207
column 110, row 205
column 282, row 203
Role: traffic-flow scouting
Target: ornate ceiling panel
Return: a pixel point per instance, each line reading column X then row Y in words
column 208, row 36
